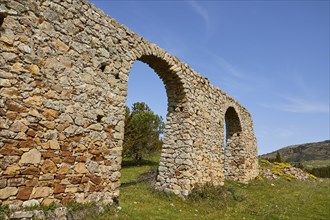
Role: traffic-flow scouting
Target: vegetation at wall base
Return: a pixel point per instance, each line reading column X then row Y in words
column 260, row 199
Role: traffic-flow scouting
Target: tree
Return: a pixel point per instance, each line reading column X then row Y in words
column 278, row 157
column 142, row 131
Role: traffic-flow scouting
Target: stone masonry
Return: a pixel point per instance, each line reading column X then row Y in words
column 64, row 68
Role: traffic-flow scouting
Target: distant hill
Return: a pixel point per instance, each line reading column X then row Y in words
column 319, row 151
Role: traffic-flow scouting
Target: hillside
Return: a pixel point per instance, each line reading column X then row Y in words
column 318, row 151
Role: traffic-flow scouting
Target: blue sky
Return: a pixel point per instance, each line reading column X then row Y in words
column 272, row 56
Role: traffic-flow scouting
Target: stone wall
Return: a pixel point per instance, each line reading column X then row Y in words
column 64, row 68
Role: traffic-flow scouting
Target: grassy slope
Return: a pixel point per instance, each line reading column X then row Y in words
column 280, row 199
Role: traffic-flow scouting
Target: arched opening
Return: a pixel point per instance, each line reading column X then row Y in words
column 160, row 88
column 232, row 133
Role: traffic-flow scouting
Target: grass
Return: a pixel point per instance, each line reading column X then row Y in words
column 261, row 199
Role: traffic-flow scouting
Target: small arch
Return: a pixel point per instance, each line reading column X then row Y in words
column 176, row 103
column 232, row 139
column 233, row 123
column 2, row 19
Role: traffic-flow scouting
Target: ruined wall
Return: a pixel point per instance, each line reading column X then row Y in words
column 64, row 68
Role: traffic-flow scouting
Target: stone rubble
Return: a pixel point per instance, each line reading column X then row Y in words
column 64, row 67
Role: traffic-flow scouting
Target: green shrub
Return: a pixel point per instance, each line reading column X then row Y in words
column 218, row 196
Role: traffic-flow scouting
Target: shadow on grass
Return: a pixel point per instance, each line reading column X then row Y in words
column 149, row 176
column 143, row 162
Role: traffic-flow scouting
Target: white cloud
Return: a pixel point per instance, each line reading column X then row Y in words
column 201, row 12
column 298, row 105
column 304, row 106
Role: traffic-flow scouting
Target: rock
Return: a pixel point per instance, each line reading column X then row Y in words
column 33, row 101
column 10, row 93
column 21, row 215
column 61, row 46
column 59, row 188
column 30, row 203
column 5, row 82
column 24, row 48
column 39, row 214
column 53, row 144
column 80, row 168
column 31, row 171
column 48, row 124
column 31, row 157
column 64, row 169
column 61, row 213
column 7, row 36
column 14, row 106
column 41, row 192
column 96, row 179
column 7, row 192
column 12, row 170
column 24, row 193
column 48, row 201
column 48, row 166
column 96, row 127
column 50, row 114
column 9, row 56
column 3, row 183
column 18, row 126
column 34, row 69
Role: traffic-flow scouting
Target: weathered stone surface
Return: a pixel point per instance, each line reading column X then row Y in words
column 32, row 157
column 48, row 166
column 51, row 114
column 31, row 171
column 7, row 192
column 80, row 168
column 24, row 193
column 18, row 126
column 34, row 69
column 30, row 203
column 53, row 144
column 63, row 87
column 64, row 169
column 21, row 215
column 41, row 192
column 3, row 183
column 12, row 170
column 59, row 188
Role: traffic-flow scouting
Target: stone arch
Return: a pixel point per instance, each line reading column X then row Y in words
column 68, row 112
column 233, row 144
column 171, row 75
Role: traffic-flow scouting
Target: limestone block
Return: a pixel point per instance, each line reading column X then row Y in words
column 31, row 157
column 30, row 203
column 34, row 101
column 7, row 192
column 41, row 192
column 21, row 215
column 80, row 168
column 64, row 169
column 53, row 144
column 12, row 92
column 18, row 126
column 48, row 166
column 12, row 170
column 49, row 201
column 34, row 69
column 24, row 193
